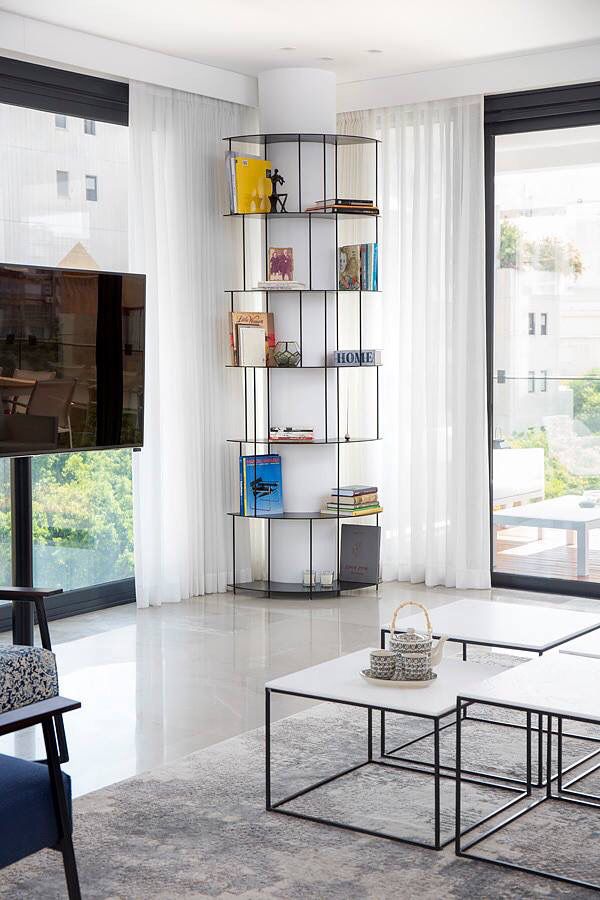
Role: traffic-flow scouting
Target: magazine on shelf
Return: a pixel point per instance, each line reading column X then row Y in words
column 261, row 487
column 360, row 552
column 358, row 267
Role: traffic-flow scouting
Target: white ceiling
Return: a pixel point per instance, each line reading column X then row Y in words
column 247, row 36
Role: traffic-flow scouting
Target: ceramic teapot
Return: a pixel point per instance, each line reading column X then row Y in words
column 415, row 653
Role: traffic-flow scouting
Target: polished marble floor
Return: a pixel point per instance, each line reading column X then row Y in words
column 160, row 683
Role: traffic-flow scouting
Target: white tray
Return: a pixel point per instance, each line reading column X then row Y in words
column 394, row 682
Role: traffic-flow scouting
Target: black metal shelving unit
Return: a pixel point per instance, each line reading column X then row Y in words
column 268, row 586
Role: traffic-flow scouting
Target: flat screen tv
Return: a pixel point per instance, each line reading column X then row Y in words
column 71, row 360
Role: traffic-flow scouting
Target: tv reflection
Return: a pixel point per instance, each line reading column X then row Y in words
column 71, row 360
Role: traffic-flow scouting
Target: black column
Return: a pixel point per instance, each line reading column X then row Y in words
column 22, row 546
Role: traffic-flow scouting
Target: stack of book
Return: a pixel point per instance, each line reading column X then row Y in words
column 352, row 500
column 344, row 205
column 291, row 433
column 358, row 267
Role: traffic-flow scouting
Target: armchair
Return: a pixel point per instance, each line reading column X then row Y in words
column 35, row 798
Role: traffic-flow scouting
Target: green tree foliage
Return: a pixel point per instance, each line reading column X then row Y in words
column 546, row 255
column 586, row 400
column 558, row 480
column 82, row 519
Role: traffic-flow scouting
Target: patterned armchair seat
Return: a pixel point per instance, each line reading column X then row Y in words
column 27, row 675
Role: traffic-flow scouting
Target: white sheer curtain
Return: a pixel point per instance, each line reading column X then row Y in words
column 181, row 478
column 434, row 466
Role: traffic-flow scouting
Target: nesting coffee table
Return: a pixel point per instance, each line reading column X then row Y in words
column 561, row 687
column 339, row 681
column 509, row 626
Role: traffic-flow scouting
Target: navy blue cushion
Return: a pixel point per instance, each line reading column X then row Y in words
column 27, row 817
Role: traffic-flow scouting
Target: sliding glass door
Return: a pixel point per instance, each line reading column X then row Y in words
column 544, row 345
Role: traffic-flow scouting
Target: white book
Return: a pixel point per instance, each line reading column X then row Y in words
column 252, row 345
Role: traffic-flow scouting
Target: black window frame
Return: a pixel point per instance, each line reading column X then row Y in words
column 546, row 109
column 65, row 93
column 544, row 324
column 89, row 127
column 531, row 319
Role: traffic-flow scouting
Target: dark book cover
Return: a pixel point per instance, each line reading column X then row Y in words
column 360, row 549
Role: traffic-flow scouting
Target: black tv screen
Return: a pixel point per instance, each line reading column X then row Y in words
column 71, row 360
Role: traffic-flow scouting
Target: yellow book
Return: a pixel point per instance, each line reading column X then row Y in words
column 253, row 184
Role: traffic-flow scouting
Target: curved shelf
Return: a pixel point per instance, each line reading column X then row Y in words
column 320, row 441
column 296, row 368
column 300, row 291
column 303, row 215
column 336, row 140
column 303, row 516
column 286, row 588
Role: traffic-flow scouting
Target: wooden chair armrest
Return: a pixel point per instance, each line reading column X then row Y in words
column 34, row 713
column 27, row 593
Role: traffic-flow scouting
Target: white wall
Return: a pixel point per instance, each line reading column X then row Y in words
column 53, row 45
column 575, row 65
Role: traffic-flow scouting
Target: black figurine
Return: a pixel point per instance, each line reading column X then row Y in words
column 276, row 198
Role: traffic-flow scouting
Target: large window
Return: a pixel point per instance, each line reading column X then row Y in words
column 545, row 229
column 82, row 503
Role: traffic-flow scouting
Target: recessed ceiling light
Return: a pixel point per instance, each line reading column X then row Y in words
column 287, row 48
column 374, row 51
column 326, row 58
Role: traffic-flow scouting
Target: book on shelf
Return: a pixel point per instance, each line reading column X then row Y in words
column 281, row 286
column 357, row 500
column 261, row 486
column 344, row 205
column 249, row 183
column 343, row 201
column 352, row 490
column 333, row 511
column 291, row 433
column 261, row 320
column 358, row 267
column 360, row 550
column 252, row 341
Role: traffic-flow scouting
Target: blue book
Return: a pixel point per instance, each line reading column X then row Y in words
column 261, row 487
column 375, row 267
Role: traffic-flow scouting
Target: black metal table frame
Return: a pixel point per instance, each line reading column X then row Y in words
column 563, row 793
column 539, row 729
column 437, row 771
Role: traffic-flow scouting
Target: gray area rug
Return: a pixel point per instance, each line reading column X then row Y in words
column 199, row 829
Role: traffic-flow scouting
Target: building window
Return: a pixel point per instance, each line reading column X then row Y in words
column 62, row 183
column 60, row 121
column 531, row 323
column 544, row 385
column 531, row 382
column 544, row 323
column 91, row 187
column 501, row 376
column 89, row 126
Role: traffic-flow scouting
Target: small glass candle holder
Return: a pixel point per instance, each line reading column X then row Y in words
column 327, row 578
column 309, row 578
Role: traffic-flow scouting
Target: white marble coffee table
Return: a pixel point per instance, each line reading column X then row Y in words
column 510, row 626
column 339, row 681
column 558, row 687
column 587, row 645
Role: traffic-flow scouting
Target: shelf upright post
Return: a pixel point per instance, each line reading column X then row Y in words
column 233, row 518
column 310, row 557
column 268, row 558
column 22, row 547
column 299, row 175
column 300, row 316
column 245, row 402
column 244, row 251
column 326, row 369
